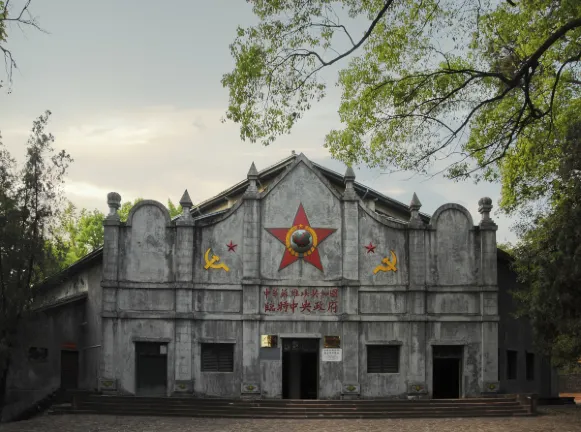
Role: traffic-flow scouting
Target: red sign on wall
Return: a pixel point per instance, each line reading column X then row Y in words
column 308, row 301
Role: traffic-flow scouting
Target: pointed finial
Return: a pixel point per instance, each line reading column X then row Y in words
column 348, row 179
column 186, row 203
column 415, row 206
column 252, row 177
column 349, row 174
column 114, row 202
column 252, row 172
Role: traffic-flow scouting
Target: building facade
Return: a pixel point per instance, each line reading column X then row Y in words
column 296, row 283
column 300, row 291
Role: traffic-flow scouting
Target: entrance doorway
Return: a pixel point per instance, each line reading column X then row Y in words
column 300, row 368
column 69, row 370
column 447, row 371
column 151, row 368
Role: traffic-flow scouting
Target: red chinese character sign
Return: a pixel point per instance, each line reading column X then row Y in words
column 301, row 240
column 308, row 301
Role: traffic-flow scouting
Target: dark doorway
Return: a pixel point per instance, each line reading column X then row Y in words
column 151, row 368
column 69, row 370
column 300, row 368
column 447, row 372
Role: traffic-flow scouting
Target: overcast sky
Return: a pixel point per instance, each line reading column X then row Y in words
column 134, row 88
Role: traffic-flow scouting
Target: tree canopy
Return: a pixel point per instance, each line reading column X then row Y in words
column 548, row 261
column 29, row 202
column 491, row 86
column 489, row 83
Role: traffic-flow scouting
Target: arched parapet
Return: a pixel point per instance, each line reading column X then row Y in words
column 147, row 244
column 450, row 207
column 453, row 255
column 164, row 211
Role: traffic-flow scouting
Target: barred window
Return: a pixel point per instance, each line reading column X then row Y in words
column 217, row 357
column 383, row 358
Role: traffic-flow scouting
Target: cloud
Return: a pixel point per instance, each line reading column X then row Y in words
column 156, row 152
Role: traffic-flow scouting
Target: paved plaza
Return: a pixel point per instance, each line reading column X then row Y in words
column 559, row 419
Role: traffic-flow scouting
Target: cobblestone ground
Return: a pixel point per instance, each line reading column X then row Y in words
column 559, row 419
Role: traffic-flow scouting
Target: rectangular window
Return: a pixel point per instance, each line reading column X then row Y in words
column 217, row 357
column 530, row 364
column 39, row 355
column 511, row 365
column 382, row 358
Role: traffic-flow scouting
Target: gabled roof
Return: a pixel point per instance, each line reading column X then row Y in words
column 275, row 170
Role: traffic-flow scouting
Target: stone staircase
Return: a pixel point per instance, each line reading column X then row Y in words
column 294, row 409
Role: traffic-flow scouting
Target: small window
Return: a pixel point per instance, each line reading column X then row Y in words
column 511, row 365
column 530, row 364
column 382, row 358
column 217, row 357
column 38, row 355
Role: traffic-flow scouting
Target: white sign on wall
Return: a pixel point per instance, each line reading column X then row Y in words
column 332, row 354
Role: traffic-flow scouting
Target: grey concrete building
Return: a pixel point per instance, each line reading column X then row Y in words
column 295, row 283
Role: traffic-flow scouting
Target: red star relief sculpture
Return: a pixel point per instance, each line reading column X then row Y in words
column 370, row 248
column 231, row 247
column 301, row 240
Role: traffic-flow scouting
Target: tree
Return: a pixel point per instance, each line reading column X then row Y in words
column 548, row 261
column 20, row 16
column 78, row 233
column 29, row 199
column 489, row 83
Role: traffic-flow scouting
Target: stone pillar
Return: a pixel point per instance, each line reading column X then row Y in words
column 416, row 305
column 250, row 288
column 184, row 265
column 110, row 277
column 350, row 289
column 489, row 298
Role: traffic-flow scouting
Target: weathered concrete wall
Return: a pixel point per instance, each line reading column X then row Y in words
column 69, row 318
column 323, row 209
column 417, row 287
column 212, row 240
column 147, row 244
column 516, row 335
column 217, row 384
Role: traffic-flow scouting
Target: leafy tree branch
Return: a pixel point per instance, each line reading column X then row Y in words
column 480, row 82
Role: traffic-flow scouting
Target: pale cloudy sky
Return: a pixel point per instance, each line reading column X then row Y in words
column 134, row 87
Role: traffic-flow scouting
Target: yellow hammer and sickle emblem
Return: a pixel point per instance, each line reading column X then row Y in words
column 390, row 265
column 211, row 263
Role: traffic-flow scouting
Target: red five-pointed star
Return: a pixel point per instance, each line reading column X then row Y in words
column 231, row 246
column 284, row 234
column 370, row 248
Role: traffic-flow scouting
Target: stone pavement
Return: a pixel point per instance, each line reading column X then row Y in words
column 558, row 419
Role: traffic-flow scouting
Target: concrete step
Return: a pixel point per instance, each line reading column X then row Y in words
column 245, row 414
column 303, row 401
column 296, row 409
column 293, row 408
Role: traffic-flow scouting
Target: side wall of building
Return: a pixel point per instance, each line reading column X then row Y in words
column 66, row 318
column 516, row 339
